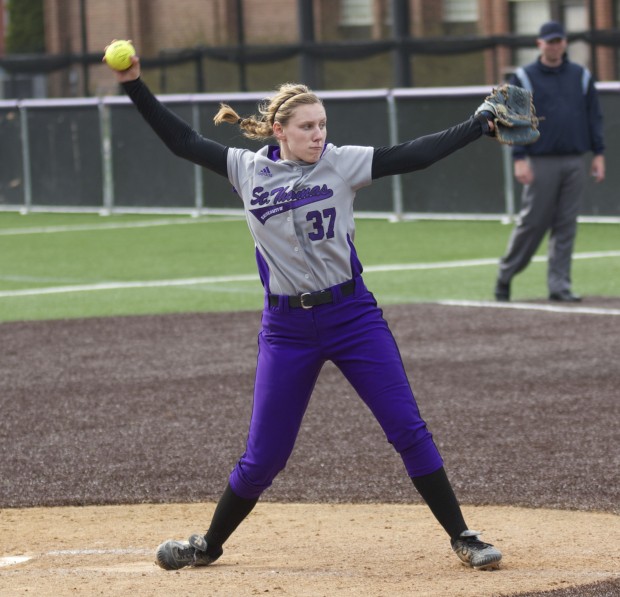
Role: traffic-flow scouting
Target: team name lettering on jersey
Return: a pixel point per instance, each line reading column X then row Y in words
column 282, row 194
column 283, row 199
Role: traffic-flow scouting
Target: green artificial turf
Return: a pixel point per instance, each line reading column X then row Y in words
column 207, row 264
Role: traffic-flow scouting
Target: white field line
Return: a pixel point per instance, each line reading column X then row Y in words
column 125, row 285
column 96, row 552
column 475, row 262
column 114, row 225
column 15, row 560
column 253, row 277
column 532, row 307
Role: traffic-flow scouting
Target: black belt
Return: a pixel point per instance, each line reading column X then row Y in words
column 307, row 300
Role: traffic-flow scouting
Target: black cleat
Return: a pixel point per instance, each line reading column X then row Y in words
column 566, row 296
column 475, row 553
column 502, row 291
column 173, row 555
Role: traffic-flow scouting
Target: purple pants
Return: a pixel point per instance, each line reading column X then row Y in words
column 293, row 346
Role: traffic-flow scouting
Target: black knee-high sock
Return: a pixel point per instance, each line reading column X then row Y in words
column 228, row 515
column 438, row 494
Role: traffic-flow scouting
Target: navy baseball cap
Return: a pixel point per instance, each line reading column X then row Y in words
column 551, row 30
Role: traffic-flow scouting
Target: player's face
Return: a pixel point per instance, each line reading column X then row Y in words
column 552, row 51
column 302, row 138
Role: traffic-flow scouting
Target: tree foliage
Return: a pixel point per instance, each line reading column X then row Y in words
column 26, row 29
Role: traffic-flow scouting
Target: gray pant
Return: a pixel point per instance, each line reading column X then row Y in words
column 551, row 203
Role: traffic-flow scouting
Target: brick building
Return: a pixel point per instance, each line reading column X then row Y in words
column 157, row 26
column 2, row 27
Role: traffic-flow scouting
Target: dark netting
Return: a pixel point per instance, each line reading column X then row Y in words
column 444, row 71
column 65, row 155
column 41, row 63
column 262, row 75
column 375, row 72
column 11, row 167
column 344, row 50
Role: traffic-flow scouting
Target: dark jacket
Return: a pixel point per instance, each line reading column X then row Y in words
column 567, row 104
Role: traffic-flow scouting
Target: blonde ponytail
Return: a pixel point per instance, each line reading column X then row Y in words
column 279, row 108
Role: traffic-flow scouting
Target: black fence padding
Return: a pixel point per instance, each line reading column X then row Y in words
column 603, row 199
column 65, row 156
column 469, row 180
column 146, row 173
column 11, row 167
column 67, row 163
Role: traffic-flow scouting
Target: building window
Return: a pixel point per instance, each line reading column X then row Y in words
column 576, row 19
column 527, row 17
column 356, row 13
column 460, row 11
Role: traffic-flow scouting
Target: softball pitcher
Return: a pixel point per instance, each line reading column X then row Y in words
column 298, row 199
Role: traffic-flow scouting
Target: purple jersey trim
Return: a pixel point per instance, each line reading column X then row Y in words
column 356, row 264
column 273, row 153
column 263, row 270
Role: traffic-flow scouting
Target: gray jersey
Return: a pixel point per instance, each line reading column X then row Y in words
column 301, row 215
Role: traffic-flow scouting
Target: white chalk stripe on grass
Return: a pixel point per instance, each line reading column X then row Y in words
column 115, row 225
column 127, row 285
column 476, row 262
column 253, row 277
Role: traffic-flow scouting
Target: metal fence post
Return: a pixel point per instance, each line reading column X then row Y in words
column 509, row 191
column 26, row 164
column 198, row 170
column 401, row 33
column 305, row 12
column 397, row 186
column 106, row 158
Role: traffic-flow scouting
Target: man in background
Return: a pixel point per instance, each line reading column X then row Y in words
column 553, row 170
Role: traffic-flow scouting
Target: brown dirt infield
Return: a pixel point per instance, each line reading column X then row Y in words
column 119, row 433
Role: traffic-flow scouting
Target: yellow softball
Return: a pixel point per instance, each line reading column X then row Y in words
column 118, row 54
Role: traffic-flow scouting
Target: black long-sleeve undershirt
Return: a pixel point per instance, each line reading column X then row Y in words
column 424, row 151
column 187, row 143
